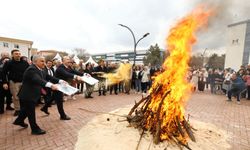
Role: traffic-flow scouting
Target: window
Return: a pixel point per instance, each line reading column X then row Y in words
column 5, row 44
column 16, row 46
column 235, row 41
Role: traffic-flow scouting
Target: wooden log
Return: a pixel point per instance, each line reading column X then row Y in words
column 188, row 129
column 176, row 142
column 157, row 89
column 136, row 105
column 138, row 144
column 179, row 126
column 181, row 143
column 157, row 135
column 158, row 121
column 145, row 107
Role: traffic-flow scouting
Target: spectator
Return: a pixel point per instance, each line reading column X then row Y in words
column 144, row 79
column 81, row 69
column 48, row 97
column 72, row 82
column 89, row 88
column 194, row 80
column 100, row 69
column 206, row 77
column 138, row 79
column 13, row 74
column 241, row 73
column 247, row 79
column 4, row 93
column 56, row 64
column 238, row 86
column 227, row 81
column 201, row 81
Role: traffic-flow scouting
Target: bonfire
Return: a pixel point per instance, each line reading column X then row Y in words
column 162, row 111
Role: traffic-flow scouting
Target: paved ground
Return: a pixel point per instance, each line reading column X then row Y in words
column 63, row 134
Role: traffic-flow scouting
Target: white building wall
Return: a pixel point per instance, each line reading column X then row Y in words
column 24, row 48
column 235, row 46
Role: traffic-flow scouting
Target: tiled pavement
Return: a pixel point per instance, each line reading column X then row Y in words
column 63, row 134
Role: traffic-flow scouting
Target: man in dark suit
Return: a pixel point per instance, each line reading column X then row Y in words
column 48, row 97
column 30, row 92
column 65, row 73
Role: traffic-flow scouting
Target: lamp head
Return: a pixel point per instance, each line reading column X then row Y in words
column 145, row 35
column 121, row 25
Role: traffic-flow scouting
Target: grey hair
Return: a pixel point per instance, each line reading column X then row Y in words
column 36, row 57
column 65, row 57
column 5, row 54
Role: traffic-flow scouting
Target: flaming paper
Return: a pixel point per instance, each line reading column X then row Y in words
column 123, row 73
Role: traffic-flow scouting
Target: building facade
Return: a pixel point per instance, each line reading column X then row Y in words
column 8, row 44
column 238, row 45
column 123, row 56
column 51, row 53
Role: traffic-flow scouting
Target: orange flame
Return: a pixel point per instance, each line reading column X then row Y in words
column 123, row 73
column 173, row 79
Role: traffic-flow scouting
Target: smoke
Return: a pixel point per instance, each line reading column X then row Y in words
column 225, row 12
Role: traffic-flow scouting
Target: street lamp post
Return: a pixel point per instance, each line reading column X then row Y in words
column 203, row 54
column 135, row 42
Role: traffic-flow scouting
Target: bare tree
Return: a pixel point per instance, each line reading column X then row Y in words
column 81, row 53
column 216, row 61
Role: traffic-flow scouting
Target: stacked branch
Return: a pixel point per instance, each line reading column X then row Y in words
column 175, row 130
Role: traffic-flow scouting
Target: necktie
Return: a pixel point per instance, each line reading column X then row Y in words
column 50, row 71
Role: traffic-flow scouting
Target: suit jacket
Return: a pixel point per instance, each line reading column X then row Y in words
column 100, row 69
column 45, row 73
column 66, row 73
column 33, row 81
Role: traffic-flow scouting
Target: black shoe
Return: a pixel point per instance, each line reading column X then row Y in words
column 65, row 118
column 104, row 94
column 45, row 110
column 38, row 132
column 9, row 108
column 1, row 111
column 16, row 113
column 22, row 124
column 116, row 93
column 91, row 96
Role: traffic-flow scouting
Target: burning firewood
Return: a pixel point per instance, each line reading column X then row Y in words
column 161, row 113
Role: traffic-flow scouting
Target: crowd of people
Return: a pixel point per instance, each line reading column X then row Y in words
column 227, row 81
column 25, row 84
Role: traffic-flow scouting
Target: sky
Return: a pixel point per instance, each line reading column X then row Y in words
column 93, row 24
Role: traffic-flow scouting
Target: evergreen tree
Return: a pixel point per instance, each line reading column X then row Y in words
column 154, row 56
